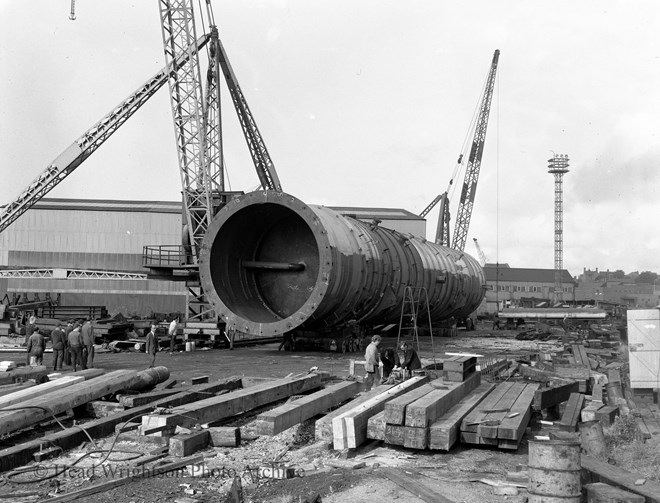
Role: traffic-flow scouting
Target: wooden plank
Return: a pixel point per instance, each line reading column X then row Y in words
column 144, row 398
column 185, row 444
column 376, row 427
column 597, row 392
column 613, row 375
column 513, row 425
column 595, row 470
column 323, row 426
column 38, row 390
column 21, row 374
column 577, row 354
column 413, row 486
column 599, row 492
column 102, row 408
column 120, row 481
column 459, row 363
column 554, row 395
column 470, row 437
column 490, row 428
column 225, row 436
column 287, row 415
column 350, row 428
column 588, row 413
column 395, row 409
column 607, row 414
column 444, row 432
column 238, row 401
column 571, row 416
column 452, row 376
column 424, row 411
column 477, row 415
column 6, row 389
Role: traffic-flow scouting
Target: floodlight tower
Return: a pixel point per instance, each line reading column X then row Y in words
column 558, row 166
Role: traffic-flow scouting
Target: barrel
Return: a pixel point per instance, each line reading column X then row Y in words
column 593, row 438
column 269, row 263
column 554, row 472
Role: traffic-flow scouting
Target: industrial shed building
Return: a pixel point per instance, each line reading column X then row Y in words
column 66, row 236
column 58, row 242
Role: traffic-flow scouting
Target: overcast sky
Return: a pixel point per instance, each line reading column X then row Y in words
column 369, row 103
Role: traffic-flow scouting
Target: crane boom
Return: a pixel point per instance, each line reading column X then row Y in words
column 482, row 255
column 468, row 193
column 260, row 156
column 90, row 141
column 431, row 205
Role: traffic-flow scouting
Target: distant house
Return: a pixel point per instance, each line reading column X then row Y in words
column 525, row 287
column 607, row 288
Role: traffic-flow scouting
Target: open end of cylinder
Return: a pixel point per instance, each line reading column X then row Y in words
column 264, row 262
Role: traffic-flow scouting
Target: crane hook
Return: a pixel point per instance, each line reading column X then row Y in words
column 72, row 16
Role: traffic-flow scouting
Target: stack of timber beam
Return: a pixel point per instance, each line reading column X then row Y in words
column 501, row 418
column 426, row 417
column 459, row 368
column 323, row 426
column 349, row 429
column 445, row 432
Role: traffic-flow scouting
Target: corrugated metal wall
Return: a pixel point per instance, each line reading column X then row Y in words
column 69, row 233
column 67, row 236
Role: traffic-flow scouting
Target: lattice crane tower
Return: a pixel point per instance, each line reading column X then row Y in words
column 558, row 166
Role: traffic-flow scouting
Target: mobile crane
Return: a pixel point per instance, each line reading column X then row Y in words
column 469, row 188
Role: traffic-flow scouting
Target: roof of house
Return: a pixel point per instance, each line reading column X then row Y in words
column 524, row 275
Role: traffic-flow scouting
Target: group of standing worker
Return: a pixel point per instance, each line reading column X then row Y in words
column 72, row 345
column 388, row 360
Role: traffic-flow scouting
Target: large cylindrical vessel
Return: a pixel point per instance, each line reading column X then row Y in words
column 271, row 263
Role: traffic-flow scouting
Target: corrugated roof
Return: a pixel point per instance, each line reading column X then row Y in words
column 108, row 205
column 523, row 275
column 381, row 213
column 176, row 207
